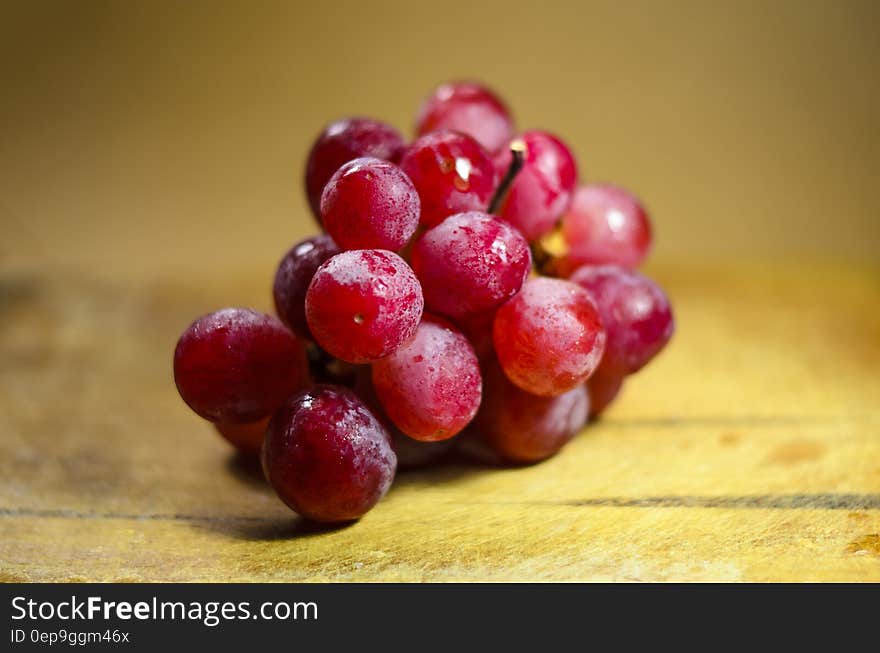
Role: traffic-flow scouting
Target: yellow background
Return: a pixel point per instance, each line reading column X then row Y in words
column 154, row 139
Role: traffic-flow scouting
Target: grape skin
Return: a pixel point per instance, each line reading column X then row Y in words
column 470, row 264
column 370, row 204
column 605, row 225
column 342, row 141
column 525, row 428
column 247, row 438
column 237, row 365
column 468, row 108
column 363, row 304
column 542, row 190
column 327, row 456
column 292, row 279
column 548, row 338
column 452, row 174
column 635, row 312
column 431, row 387
column 603, row 389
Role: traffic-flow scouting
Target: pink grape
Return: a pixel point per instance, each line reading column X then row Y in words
column 469, row 108
column 541, row 193
column 605, row 225
column 430, row 387
column 548, row 338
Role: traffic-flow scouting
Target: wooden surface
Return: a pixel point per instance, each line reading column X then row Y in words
column 749, row 451
column 150, row 164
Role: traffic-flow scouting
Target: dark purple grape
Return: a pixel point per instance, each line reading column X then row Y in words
column 327, row 456
column 293, row 277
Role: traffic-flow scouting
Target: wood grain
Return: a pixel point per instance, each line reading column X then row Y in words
column 749, row 451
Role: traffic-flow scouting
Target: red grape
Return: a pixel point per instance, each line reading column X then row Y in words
column 605, row 224
column 468, row 108
column 603, row 389
column 410, row 453
column 247, row 438
column 523, row 427
column 452, row 174
column 431, row 386
column 327, row 456
column 370, row 204
column 470, row 263
column 635, row 312
column 548, row 338
column 363, row 304
column 238, row 365
column 293, row 277
column 543, row 189
column 342, row 141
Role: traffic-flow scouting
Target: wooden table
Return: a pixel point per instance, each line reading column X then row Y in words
column 749, row 451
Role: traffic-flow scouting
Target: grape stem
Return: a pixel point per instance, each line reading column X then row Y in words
column 517, row 151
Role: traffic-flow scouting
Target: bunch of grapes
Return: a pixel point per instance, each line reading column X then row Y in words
column 465, row 290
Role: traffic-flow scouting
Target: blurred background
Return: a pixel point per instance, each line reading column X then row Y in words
column 160, row 139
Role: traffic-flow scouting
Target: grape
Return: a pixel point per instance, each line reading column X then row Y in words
column 605, row 224
column 370, row 204
column 451, row 172
column 523, row 427
column 342, row 141
column 238, row 365
column 470, row 263
column 327, row 456
column 548, row 338
column 247, row 438
column 543, row 189
column 410, row 453
column 477, row 329
column 430, row 387
column 468, row 108
column 293, row 277
column 635, row 312
column 363, row 304
column 603, row 389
